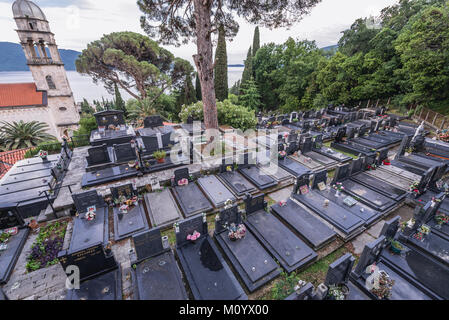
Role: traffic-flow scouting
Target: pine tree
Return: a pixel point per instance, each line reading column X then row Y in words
column 119, row 102
column 199, row 96
column 256, row 41
column 250, row 96
column 248, row 71
column 221, row 67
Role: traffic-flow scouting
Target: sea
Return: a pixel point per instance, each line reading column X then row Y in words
column 83, row 86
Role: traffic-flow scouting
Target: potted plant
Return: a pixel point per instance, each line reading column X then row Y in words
column 159, row 156
column 396, row 246
column 339, row 292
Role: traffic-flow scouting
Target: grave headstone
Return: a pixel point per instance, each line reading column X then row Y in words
column 341, row 173
column 148, row 244
column 98, row 155
column 91, row 261
column 390, row 228
column 357, row 165
column 340, row 270
column 369, row 255
column 319, row 177
column 153, row 121
column 181, row 174
column 188, row 227
column 109, row 117
column 124, row 152
column 126, row 190
column 151, row 144
column 254, row 204
column 87, row 199
column 227, row 216
column 9, row 217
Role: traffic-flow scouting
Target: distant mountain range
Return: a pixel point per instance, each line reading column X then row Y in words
column 329, row 48
column 12, row 57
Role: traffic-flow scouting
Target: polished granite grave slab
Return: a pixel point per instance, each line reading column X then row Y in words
column 249, row 258
column 380, row 186
column 277, row 173
column 257, row 177
column 10, row 255
column 291, row 252
column 155, row 273
column 237, row 183
column 303, row 160
column 293, row 167
column 215, row 190
column 206, row 272
column 162, row 208
column 107, row 175
column 191, row 200
column 398, row 181
column 347, row 223
column 305, row 224
column 100, row 275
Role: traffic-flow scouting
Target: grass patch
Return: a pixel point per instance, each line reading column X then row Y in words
column 45, row 249
column 316, row 273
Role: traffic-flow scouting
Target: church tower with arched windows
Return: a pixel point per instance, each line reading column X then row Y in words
column 46, row 66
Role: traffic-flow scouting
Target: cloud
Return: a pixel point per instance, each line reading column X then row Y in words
column 78, row 22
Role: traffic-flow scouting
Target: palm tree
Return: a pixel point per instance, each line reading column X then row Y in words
column 140, row 109
column 19, row 135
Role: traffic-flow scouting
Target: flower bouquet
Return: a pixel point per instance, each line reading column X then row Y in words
column 124, row 208
column 387, row 162
column 43, row 154
column 339, row 187
column 283, row 203
column 229, row 169
column 414, row 187
column 90, row 216
column 194, row 236
column 183, row 182
column 441, row 219
column 371, row 167
column 385, row 286
column 282, row 154
column 337, row 292
column 236, row 232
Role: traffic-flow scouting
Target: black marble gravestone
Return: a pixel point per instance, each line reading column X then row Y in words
column 215, row 190
column 405, row 287
column 189, row 197
column 124, row 153
column 87, row 233
column 135, row 220
column 99, row 274
column 153, row 121
column 347, row 223
column 252, row 262
column 339, row 271
column 98, row 156
column 304, row 223
column 291, row 252
column 109, row 117
column 235, row 181
column 251, row 172
column 156, row 275
column 208, row 275
column 150, row 143
column 10, row 218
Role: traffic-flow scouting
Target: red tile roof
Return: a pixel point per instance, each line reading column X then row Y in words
column 9, row 158
column 21, row 94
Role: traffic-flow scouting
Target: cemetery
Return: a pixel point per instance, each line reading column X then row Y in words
column 150, row 214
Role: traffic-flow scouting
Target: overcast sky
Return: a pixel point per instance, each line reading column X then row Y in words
column 78, row 22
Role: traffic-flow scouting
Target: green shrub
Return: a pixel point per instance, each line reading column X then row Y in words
column 50, row 147
column 230, row 114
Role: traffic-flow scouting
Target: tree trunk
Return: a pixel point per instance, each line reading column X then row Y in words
column 204, row 61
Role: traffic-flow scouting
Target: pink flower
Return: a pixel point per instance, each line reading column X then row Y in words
column 194, row 236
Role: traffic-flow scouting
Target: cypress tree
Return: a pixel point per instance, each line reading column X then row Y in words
column 256, row 41
column 187, row 95
column 248, row 71
column 199, row 96
column 221, row 67
column 119, row 102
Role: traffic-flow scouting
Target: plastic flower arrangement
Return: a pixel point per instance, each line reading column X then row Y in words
column 90, row 216
column 387, row 162
column 335, row 293
column 414, row 187
column 282, row 154
column 229, row 168
column 441, row 218
column 124, row 208
column 283, row 203
column 339, row 186
column 183, row 182
column 371, row 166
column 43, row 154
column 194, row 236
column 236, row 232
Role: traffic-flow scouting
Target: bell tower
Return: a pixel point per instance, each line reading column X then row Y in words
column 46, row 66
